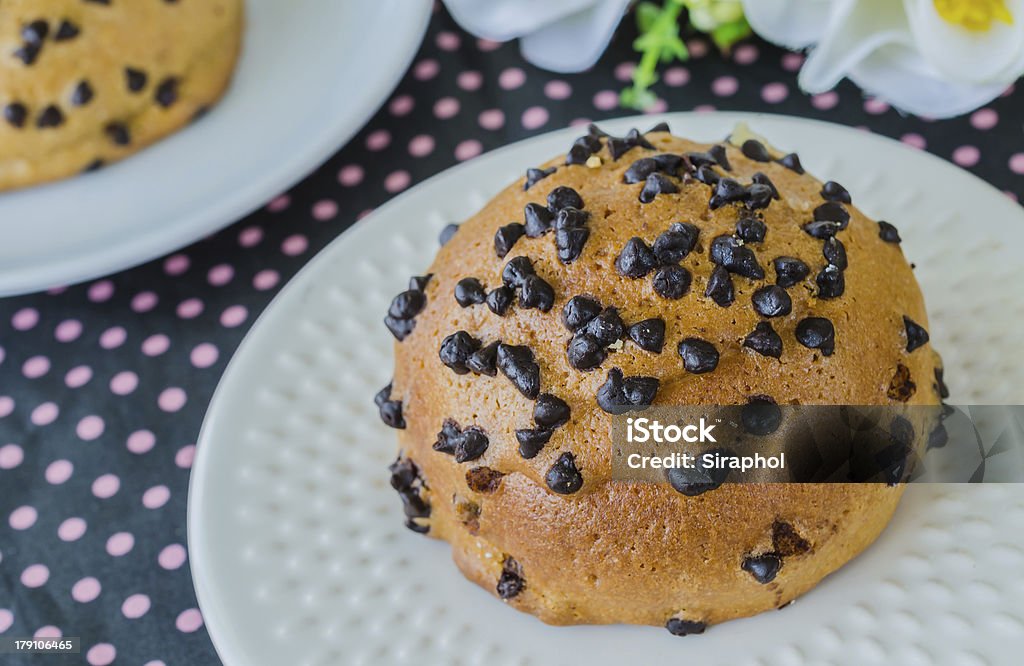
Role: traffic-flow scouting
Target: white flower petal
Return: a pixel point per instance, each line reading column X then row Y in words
column 575, row 42
column 795, row 24
column 502, row 20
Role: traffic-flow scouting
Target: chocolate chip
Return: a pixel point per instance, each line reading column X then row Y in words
column 761, row 416
column 649, row 334
column 511, row 581
column 763, row 568
column 563, row 477
column 718, row 152
column 515, row 272
column 135, row 79
column 672, row 246
column 760, row 178
column 407, row 304
column 937, row 438
column 582, row 148
column 532, row 440
column 888, row 232
column 470, row 444
column 822, row 229
column 584, row 352
column 82, row 94
column 15, row 114
column 772, row 301
column 469, row 291
column 578, row 311
column 516, row 362
column 831, row 283
column 167, row 92
column 564, row 197
column 456, row 349
column 720, row 288
column 569, row 242
column 633, row 139
column 901, row 387
column 755, row 150
column 832, row 212
column 484, row 360
column 699, row 479
column 400, row 328
column 65, row 31
column 636, row 259
column 606, row 327
column 28, row 53
column 483, row 480
column 758, row 196
column 407, row 481
column 736, row 258
column 390, row 410
column 699, row 356
column 35, row 32
column 764, row 340
column 789, row 271
column 672, row 282
column 51, row 116
column 447, row 233
column 916, row 334
column 792, row 162
column 786, row 541
column 535, row 292
column 940, row 385
column 751, row 230
column 707, row 175
column 678, row 627
column 639, row 170
column 656, row 184
column 699, row 159
column 727, row 191
column 660, row 127
column 619, row 394
column 419, row 282
column 835, row 253
column 118, row 133
column 537, row 219
column 499, row 300
column 833, row 191
column 571, row 218
column 534, row 176
column 550, row 411
column 816, row 333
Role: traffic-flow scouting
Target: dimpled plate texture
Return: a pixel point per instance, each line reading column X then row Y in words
column 297, row 545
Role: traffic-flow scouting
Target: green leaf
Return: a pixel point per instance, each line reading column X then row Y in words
column 727, row 34
column 646, row 15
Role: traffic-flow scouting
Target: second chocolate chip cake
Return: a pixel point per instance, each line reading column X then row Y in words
column 643, row 270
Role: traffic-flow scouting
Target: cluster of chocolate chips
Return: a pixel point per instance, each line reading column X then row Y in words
column 511, row 581
column 464, row 444
column 671, row 280
column 786, row 542
column 620, row 394
column 401, row 317
column 34, row 34
column 563, row 215
column 680, row 627
column 407, row 480
column 390, row 410
column 549, row 412
column 594, row 330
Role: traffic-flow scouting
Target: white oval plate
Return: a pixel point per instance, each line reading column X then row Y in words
column 298, row 551
column 311, row 73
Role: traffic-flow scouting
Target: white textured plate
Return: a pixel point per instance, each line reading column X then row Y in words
column 297, row 545
column 310, row 75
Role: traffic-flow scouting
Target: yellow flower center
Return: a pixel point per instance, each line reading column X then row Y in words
column 975, row 15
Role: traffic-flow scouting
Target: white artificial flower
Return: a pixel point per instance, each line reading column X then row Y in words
column 935, row 58
column 557, row 35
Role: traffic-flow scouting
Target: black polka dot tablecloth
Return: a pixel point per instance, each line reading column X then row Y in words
column 103, row 385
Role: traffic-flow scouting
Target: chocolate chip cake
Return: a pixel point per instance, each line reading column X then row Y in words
column 87, row 82
column 635, row 271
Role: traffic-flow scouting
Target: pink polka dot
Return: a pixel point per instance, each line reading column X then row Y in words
column 90, row 428
column 48, row 631
column 155, row 662
column 25, row 319
column 624, row 71
column 204, row 355
column 378, row 140
column 100, row 291
column 984, row 119
column 745, row 54
column 36, row 367
column 172, row 557
column 606, row 100
column 535, row 117
column 185, row 455
column 189, row 620
column 1017, row 163
column 491, row 119
column 6, row 619
column 791, row 62
column 351, row 175
column 487, row 45
column 774, row 93
column 72, row 529
column 135, row 606
column 914, row 140
column 425, row 70
column 469, row 80
column 396, row 181
column 676, row 76
column 106, row 486
column 172, row 399
column 176, row 264
column 967, row 156
column 190, row 308
column 6, row 405
column 35, row 575
column 57, row 291
column 704, row 108
column 250, row 236
column 144, row 301
column 11, row 456
column 156, row 497
column 156, row 344
column 558, row 89
column 294, row 245
column 659, row 106
column 825, row 101
column 279, row 203
column 113, row 337
column 220, row 275
column 59, row 471
column 698, row 48
column 725, row 86
column 120, row 544
column 68, row 330
column 446, row 107
column 401, row 105
column 23, row 517
column 45, row 414
column 421, row 145
column 86, row 590
column 141, row 441
column 468, row 149
column 447, row 41
column 233, row 316
column 2, row 354
column 875, row 106
column 101, row 654
column 78, row 376
column 266, row 279
column 511, row 78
